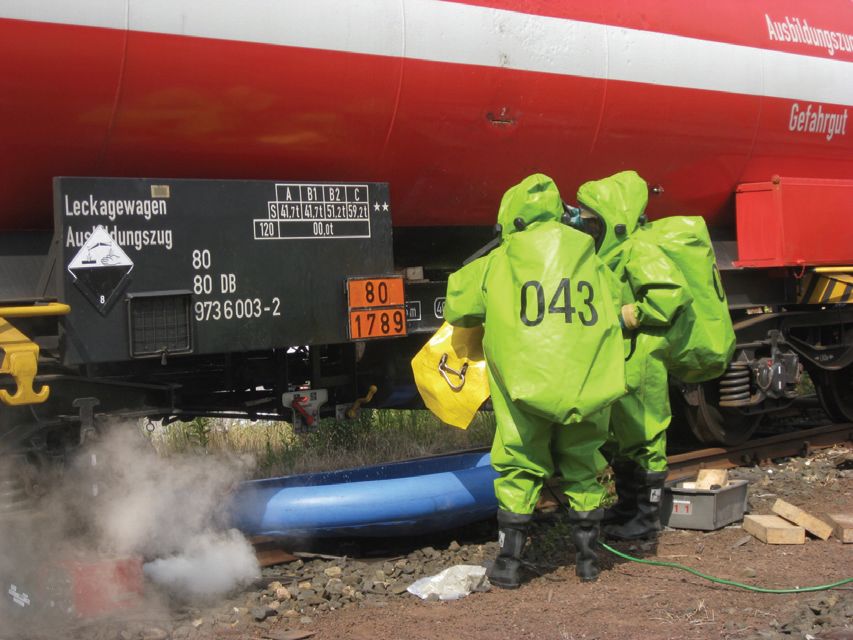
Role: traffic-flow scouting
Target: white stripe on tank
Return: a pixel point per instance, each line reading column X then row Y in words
column 455, row 33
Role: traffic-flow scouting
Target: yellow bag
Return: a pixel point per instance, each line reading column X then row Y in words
column 450, row 371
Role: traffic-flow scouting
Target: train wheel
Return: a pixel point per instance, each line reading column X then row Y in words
column 835, row 392
column 712, row 424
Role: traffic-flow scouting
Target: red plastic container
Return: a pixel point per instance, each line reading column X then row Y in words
column 791, row 222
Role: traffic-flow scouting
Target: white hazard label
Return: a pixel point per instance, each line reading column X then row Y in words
column 654, row 495
column 100, row 251
column 100, row 269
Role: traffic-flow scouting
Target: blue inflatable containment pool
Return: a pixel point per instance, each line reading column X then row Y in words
column 395, row 499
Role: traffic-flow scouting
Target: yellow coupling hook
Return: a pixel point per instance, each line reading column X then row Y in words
column 20, row 354
column 352, row 412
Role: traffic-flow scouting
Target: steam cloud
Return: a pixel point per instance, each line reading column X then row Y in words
column 169, row 509
column 212, row 565
column 121, row 499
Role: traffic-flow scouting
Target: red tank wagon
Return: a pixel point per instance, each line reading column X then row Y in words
column 448, row 103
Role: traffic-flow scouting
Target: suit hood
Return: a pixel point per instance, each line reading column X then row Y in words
column 618, row 200
column 534, row 199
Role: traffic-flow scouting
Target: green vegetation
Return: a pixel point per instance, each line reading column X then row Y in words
column 374, row 437
column 806, row 385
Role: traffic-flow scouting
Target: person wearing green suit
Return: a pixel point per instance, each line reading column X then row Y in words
column 553, row 347
column 653, row 292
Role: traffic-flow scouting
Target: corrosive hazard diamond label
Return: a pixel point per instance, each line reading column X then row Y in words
column 100, row 269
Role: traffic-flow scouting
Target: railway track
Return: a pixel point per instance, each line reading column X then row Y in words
column 759, row 450
column 756, row 451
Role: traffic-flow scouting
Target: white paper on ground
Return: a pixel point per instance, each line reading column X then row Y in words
column 453, row 583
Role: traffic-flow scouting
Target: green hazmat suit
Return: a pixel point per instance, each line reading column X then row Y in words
column 653, row 293
column 552, row 344
column 701, row 341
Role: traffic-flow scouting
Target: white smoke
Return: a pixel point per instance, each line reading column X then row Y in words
column 211, row 565
column 152, row 505
column 121, row 500
column 170, row 511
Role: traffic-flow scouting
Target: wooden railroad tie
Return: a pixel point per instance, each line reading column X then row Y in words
column 843, row 523
column 800, row 517
column 772, row 529
column 710, row 478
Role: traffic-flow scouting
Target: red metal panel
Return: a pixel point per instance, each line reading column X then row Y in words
column 58, row 88
column 795, row 222
column 105, row 586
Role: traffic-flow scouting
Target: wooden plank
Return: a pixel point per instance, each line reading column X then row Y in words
column 272, row 557
column 287, row 635
column 843, row 523
column 707, row 478
column 774, row 530
column 802, row 518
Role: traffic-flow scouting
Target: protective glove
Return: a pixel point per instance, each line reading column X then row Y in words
column 628, row 317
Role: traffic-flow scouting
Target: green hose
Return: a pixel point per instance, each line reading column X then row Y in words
column 661, row 563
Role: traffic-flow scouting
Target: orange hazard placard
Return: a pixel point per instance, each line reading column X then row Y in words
column 377, row 323
column 363, row 293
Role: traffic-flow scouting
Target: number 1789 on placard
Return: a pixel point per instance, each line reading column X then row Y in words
column 379, row 323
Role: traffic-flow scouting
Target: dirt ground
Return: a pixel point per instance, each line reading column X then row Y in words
column 629, row 600
column 639, row 601
column 334, row 598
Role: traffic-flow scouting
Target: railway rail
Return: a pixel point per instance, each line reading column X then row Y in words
column 755, row 451
column 800, row 442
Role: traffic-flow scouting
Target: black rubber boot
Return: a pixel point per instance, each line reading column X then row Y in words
column 585, row 529
column 626, row 493
column 646, row 521
column 512, row 534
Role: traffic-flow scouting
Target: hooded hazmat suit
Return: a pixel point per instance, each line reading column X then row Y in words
column 552, row 344
column 653, row 292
